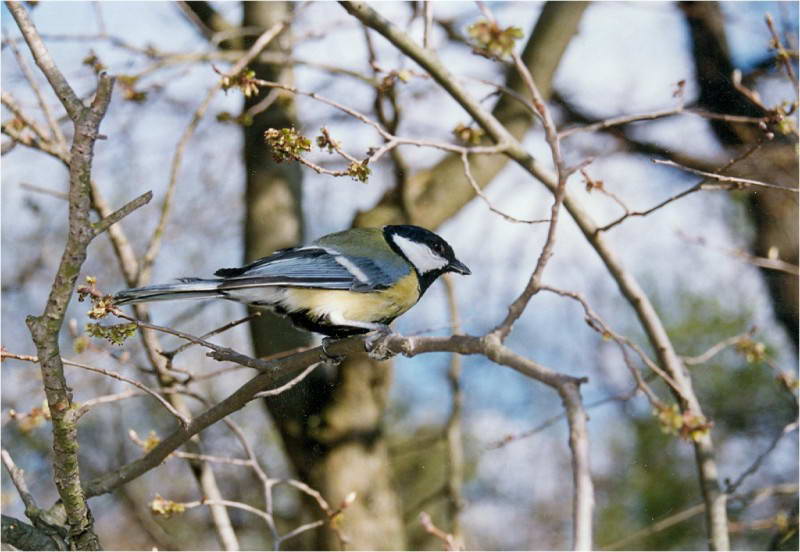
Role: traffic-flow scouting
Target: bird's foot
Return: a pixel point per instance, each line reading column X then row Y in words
column 377, row 344
column 327, row 357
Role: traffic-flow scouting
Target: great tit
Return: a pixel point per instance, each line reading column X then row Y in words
column 343, row 284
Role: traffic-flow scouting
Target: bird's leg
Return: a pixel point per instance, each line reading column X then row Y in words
column 376, row 344
column 330, row 358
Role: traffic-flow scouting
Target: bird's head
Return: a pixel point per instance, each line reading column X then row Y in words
column 427, row 252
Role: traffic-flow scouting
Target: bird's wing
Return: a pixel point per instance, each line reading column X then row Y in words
column 307, row 267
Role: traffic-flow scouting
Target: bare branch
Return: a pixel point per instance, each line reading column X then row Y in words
column 12, row 105
column 22, row 536
column 623, row 120
column 428, row 34
column 782, row 55
column 446, row 538
column 71, row 102
column 755, row 497
column 486, row 200
column 288, row 385
column 273, row 370
column 155, row 240
column 718, row 348
column 212, row 333
column 45, row 328
column 33, row 142
column 111, row 374
column 300, row 530
column 731, row 487
column 761, row 262
column 52, row 121
column 228, row 503
column 452, row 430
column 738, row 183
column 18, row 478
column 651, row 322
column 103, row 225
column 703, row 184
column 106, row 399
column 516, row 308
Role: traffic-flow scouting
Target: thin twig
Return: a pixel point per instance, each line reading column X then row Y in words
column 212, row 333
column 288, row 385
column 601, row 327
column 43, row 190
column 229, row 504
column 111, row 374
column 737, row 182
column 731, row 487
column 313, row 493
column 300, row 530
column 782, row 55
column 519, row 305
column 718, row 348
column 106, row 399
column 155, row 240
column 510, row 218
column 266, row 483
column 52, row 121
column 18, row 478
column 703, row 184
column 757, row 496
column 12, row 105
column 392, row 141
column 32, row 142
column 427, row 36
column 512, row 438
column 623, row 120
column 446, row 538
column 761, row 262
column 106, row 222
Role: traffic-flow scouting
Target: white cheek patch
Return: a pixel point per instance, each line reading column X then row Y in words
column 420, row 255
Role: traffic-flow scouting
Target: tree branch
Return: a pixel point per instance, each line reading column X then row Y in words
column 71, row 102
column 45, row 329
column 155, row 240
column 653, row 326
column 22, row 536
column 103, row 225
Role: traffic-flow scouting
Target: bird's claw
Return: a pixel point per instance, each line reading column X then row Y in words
column 377, row 344
column 330, row 358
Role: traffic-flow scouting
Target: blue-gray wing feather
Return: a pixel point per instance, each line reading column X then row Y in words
column 309, row 267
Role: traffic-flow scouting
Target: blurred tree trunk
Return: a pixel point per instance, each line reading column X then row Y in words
column 774, row 213
column 428, row 199
column 332, row 423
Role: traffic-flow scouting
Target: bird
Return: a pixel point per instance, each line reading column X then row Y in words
column 343, row 284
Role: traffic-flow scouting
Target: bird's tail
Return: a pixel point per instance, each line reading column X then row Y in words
column 184, row 288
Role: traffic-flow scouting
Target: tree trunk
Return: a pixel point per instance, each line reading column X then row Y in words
column 774, row 213
column 331, row 423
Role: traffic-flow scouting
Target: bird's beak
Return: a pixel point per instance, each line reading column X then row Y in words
column 457, row 266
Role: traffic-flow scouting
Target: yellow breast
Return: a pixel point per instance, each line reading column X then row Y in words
column 363, row 307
